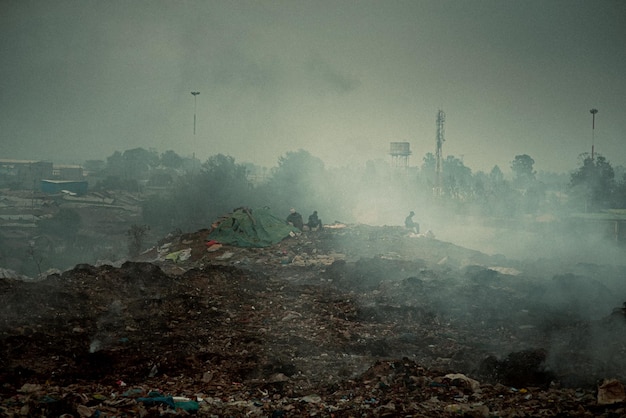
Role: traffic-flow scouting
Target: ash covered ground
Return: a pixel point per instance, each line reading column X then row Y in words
column 344, row 322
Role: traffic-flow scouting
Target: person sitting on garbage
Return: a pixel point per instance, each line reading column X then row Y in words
column 410, row 224
column 295, row 219
column 314, row 221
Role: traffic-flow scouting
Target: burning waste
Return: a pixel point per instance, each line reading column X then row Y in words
column 343, row 321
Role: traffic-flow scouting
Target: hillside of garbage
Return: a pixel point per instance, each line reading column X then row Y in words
column 350, row 320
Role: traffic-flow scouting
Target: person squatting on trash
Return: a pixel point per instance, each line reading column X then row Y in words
column 314, row 221
column 410, row 224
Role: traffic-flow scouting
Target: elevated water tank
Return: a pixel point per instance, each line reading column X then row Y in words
column 400, row 149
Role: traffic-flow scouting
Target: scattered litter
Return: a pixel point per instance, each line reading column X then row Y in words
column 456, row 378
column 510, row 271
column 357, row 321
column 467, row 410
column 214, row 247
column 611, row 391
column 225, row 256
column 179, row 256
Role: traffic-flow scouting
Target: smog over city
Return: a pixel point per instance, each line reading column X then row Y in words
column 354, row 207
column 81, row 80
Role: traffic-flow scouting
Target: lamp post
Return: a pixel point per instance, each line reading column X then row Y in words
column 590, row 199
column 195, row 107
column 193, row 154
column 593, row 128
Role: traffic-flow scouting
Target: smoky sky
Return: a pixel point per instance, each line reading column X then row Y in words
column 340, row 79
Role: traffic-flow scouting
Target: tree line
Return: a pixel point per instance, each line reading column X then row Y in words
column 183, row 193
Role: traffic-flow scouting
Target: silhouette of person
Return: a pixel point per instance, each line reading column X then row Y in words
column 295, row 219
column 314, row 221
column 410, row 224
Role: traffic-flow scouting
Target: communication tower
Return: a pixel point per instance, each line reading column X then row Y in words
column 593, row 131
column 441, row 118
column 400, row 152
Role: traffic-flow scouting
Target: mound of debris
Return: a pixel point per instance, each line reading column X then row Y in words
column 346, row 321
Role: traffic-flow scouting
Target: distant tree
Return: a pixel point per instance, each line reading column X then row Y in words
column 298, row 181
column 133, row 164
column 524, row 174
column 377, row 173
column 160, row 178
column 183, row 207
column 223, row 169
column 115, row 164
column 138, row 162
column 191, row 165
column 226, row 183
column 117, row 183
column 94, row 166
column 197, row 199
column 480, row 188
column 593, row 183
column 171, row 160
column 429, row 164
column 619, row 197
column 457, row 178
column 256, row 174
column 498, row 198
column 534, row 197
column 496, row 176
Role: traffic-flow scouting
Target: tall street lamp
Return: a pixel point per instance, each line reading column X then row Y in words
column 195, row 107
column 593, row 129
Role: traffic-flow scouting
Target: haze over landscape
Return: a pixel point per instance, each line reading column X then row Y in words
column 82, row 79
column 206, row 203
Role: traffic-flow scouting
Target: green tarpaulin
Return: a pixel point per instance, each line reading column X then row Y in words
column 251, row 228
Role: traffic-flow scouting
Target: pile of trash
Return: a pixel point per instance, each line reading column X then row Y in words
column 346, row 321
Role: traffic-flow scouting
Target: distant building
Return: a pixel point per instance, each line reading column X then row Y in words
column 68, row 172
column 24, row 174
column 64, row 186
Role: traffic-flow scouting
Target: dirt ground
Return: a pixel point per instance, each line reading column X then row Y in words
column 351, row 321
